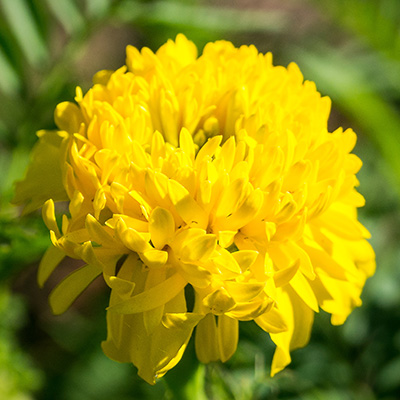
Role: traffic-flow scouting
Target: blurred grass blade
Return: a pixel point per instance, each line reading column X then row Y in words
column 355, row 95
column 97, row 8
column 13, row 168
column 9, row 80
column 185, row 386
column 68, row 14
column 204, row 17
column 377, row 21
column 5, row 157
column 24, row 27
column 187, row 379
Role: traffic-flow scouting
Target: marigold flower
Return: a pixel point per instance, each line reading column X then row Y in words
column 213, row 177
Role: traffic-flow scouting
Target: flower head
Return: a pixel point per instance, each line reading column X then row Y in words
column 207, row 191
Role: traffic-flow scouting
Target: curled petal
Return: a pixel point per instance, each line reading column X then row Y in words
column 161, row 227
column 49, row 263
column 71, row 287
column 152, row 298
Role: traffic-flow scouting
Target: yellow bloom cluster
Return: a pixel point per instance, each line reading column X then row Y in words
column 206, row 190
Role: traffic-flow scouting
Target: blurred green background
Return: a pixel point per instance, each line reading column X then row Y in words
column 350, row 48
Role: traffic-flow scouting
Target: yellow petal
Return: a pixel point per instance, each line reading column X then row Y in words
column 98, row 233
column 64, row 244
column 206, row 340
column 156, row 187
column 78, row 236
column 185, row 236
column 302, row 287
column 164, row 349
column 228, row 336
column 154, row 258
column 68, row 117
column 180, row 320
column 197, row 276
column 299, row 319
column 244, row 291
column 226, row 264
column 99, row 201
column 228, row 151
column 225, row 238
column 208, row 149
column 102, row 77
column 154, row 354
column 343, row 297
column 324, row 261
column 49, row 218
column 306, row 266
column 161, row 227
column 152, row 318
column 342, row 225
column 116, row 337
column 152, row 298
column 186, row 206
column 86, row 253
column 219, row 301
column 122, row 285
column 231, row 198
column 186, row 143
column 198, row 249
column 284, row 276
column 245, row 258
column 50, row 260
column 250, row 310
column 181, row 51
column 71, row 287
column 134, row 240
column 244, row 214
column 43, row 179
column 157, row 148
column 272, row 321
column 128, row 222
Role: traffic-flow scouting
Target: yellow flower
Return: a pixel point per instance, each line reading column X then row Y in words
column 207, row 191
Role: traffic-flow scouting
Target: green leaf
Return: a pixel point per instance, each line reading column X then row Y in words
column 12, row 166
column 203, row 17
column 21, row 242
column 375, row 21
column 24, row 27
column 19, row 378
column 97, row 8
column 9, row 80
column 68, row 14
